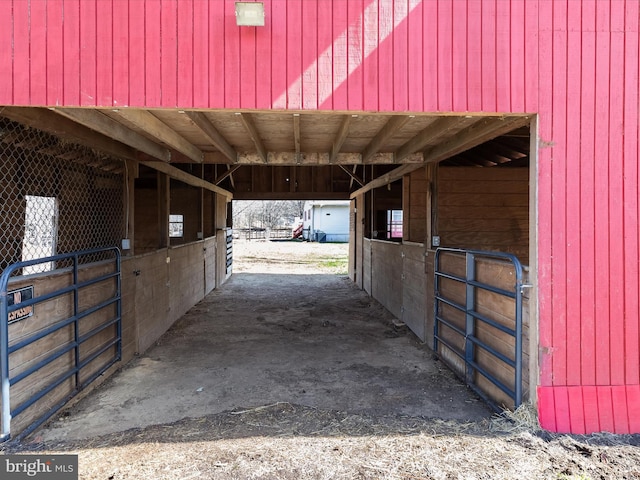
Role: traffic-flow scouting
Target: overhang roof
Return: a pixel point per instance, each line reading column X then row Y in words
column 273, row 138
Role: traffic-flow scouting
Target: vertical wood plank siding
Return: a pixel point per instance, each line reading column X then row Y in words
column 572, row 62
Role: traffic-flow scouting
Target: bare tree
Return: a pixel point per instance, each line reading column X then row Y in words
column 266, row 213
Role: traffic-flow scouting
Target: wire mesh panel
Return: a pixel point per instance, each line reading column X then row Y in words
column 55, row 197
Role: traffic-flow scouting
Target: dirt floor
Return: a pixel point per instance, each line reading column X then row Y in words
column 302, row 376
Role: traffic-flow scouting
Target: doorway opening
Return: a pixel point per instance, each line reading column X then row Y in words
column 40, row 236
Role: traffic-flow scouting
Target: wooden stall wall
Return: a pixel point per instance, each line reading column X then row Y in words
column 484, row 209
column 398, row 279
column 414, row 289
column 186, row 201
column 415, row 197
column 187, row 280
column 386, row 275
column 146, row 276
column 147, row 221
column 161, row 286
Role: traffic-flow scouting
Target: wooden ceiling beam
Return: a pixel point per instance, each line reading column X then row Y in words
column 435, row 130
column 480, row 132
column 159, row 130
column 318, row 158
column 250, row 126
column 98, row 121
column 341, row 136
column 213, row 135
column 66, row 129
column 187, row 178
column 389, row 129
column 296, row 132
column 387, row 178
column 252, row 195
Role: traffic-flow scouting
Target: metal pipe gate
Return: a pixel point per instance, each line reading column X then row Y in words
column 471, row 318
column 79, row 336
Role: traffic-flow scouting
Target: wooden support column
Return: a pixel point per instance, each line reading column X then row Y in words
column 164, row 197
column 130, row 204
column 406, row 207
column 431, row 177
column 202, row 207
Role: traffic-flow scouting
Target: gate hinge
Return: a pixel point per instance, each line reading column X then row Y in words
column 525, row 285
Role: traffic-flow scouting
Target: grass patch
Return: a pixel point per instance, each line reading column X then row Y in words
column 336, row 265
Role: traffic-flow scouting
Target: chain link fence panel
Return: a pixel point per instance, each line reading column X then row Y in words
column 55, row 197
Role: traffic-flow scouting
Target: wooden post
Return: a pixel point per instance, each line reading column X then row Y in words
column 131, row 173
column 430, row 173
column 164, row 196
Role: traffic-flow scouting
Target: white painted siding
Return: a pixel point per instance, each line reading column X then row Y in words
column 327, row 221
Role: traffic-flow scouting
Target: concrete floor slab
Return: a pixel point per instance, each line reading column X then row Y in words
column 307, row 339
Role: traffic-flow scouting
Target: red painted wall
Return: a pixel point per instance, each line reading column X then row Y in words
column 573, row 62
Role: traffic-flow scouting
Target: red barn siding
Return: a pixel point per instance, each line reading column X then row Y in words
column 573, row 62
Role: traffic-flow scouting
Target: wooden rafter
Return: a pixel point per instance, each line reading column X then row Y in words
column 159, row 130
column 213, row 135
column 296, row 132
column 341, row 136
column 387, row 178
column 187, row 178
column 96, row 120
column 50, row 122
column 506, row 151
column 435, row 130
column 250, row 126
column 480, row 132
column 394, row 124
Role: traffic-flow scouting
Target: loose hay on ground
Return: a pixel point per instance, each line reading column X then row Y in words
column 287, row 441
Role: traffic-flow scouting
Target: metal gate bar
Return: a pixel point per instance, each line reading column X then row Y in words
column 471, row 341
column 5, row 350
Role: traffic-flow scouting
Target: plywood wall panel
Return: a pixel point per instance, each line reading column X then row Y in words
column 414, row 283
column 484, row 209
column 386, row 275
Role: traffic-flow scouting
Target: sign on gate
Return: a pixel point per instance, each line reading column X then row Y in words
column 14, row 297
